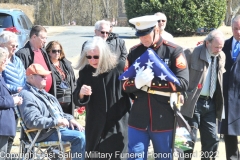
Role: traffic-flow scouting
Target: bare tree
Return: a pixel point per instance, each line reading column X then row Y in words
column 233, row 7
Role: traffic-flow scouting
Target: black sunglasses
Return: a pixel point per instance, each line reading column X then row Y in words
column 55, row 51
column 102, row 32
column 94, row 57
column 161, row 20
column 42, row 76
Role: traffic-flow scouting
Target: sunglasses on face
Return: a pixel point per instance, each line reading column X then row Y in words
column 14, row 46
column 161, row 21
column 102, row 32
column 94, row 57
column 55, row 51
column 40, row 75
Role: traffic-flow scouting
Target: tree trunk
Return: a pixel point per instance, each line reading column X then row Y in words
column 52, row 12
column 232, row 9
column 62, row 15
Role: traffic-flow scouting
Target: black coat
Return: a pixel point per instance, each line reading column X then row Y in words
column 152, row 110
column 231, row 91
column 27, row 56
column 117, row 46
column 107, row 110
column 67, row 68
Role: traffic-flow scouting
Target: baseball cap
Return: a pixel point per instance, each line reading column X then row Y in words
column 144, row 24
column 37, row 69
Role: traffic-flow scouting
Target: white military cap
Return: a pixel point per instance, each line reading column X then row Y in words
column 145, row 24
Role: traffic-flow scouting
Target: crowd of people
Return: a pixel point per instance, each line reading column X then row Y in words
column 122, row 116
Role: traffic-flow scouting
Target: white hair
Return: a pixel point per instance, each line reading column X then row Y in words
column 107, row 59
column 6, row 36
column 99, row 23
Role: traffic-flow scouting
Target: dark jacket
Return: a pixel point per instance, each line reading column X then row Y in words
column 231, row 85
column 27, row 56
column 117, row 46
column 7, row 118
column 67, row 68
column 107, row 110
column 152, row 110
column 198, row 67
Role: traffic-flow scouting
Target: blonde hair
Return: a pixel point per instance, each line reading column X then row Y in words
column 107, row 59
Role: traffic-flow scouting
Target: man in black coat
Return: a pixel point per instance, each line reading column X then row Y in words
column 231, row 83
column 116, row 44
column 34, row 52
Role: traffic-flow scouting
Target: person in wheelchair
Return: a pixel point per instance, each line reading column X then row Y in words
column 41, row 110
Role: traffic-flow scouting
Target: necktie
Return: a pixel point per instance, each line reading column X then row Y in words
column 213, row 76
column 236, row 50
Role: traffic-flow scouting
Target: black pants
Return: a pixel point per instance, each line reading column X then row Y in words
column 204, row 119
column 231, row 145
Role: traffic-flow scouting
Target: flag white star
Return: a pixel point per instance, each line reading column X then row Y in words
column 150, row 52
column 162, row 66
column 174, row 79
column 136, row 65
column 124, row 78
column 149, row 63
column 162, row 77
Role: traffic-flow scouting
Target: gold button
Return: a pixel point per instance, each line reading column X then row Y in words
column 153, row 84
column 165, row 84
column 168, row 102
column 136, row 97
column 160, row 84
column 131, row 81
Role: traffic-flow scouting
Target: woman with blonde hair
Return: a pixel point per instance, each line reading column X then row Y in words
column 107, row 107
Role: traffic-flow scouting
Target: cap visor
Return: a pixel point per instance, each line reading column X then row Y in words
column 140, row 33
column 45, row 73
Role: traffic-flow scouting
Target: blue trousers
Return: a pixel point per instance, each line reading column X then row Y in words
column 77, row 140
column 139, row 142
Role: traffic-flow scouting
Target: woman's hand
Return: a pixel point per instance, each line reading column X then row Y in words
column 85, row 90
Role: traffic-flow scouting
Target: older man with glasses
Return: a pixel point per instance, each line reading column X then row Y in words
column 117, row 45
column 162, row 22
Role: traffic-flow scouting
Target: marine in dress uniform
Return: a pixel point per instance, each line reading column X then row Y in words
column 152, row 116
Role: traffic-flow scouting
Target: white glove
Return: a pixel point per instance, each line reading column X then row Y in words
column 143, row 77
column 173, row 98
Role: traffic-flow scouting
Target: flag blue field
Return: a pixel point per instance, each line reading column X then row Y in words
column 150, row 59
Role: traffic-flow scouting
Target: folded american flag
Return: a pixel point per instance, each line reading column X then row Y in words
column 150, row 59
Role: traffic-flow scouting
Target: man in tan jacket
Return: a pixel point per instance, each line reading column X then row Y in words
column 204, row 101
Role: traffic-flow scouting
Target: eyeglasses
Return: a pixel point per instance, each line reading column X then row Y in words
column 55, row 51
column 14, row 46
column 94, row 57
column 42, row 76
column 102, row 32
column 161, row 21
